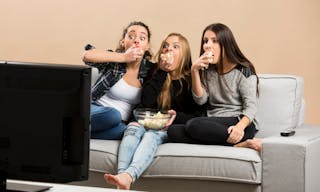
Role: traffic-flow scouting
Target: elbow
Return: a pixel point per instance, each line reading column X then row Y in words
column 86, row 57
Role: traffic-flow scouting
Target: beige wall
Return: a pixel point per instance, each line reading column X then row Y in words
column 279, row 36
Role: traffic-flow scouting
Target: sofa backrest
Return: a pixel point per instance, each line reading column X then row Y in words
column 281, row 103
column 94, row 75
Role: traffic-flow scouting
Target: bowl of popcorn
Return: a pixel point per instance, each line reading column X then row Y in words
column 151, row 118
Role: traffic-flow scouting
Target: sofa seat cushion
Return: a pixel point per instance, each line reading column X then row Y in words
column 186, row 161
column 103, row 155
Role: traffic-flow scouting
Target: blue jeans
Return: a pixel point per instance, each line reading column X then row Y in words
column 106, row 123
column 138, row 148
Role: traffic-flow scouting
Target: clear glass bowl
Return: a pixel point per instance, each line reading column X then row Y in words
column 151, row 118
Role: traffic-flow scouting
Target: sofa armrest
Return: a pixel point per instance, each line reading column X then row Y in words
column 291, row 163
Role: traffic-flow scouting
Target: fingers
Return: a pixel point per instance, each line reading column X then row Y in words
column 200, row 66
column 202, row 62
column 173, row 114
column 133, row 53
column 204, row 66
column 137, row 53
column 170, row 121
column 233, row 139
column 235, row 135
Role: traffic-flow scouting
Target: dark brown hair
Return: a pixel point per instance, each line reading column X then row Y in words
column 229, row 49
column 120, row 48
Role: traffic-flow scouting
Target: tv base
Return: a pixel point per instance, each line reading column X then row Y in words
column 12, row 186
column 20, row 187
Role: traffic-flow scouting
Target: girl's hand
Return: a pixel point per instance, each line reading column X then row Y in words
column 132, row 54
column 235, row 134
column 202, row 62
column 173, row 114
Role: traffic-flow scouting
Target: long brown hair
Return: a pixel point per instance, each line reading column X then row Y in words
column 183, row 71
column 229, row 49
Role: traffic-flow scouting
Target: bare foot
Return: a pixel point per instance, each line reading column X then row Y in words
column 122, row 180
column 254, row 143
column 110, row 179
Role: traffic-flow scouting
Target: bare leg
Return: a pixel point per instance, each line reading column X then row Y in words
column 122, row 180
column 254, row 143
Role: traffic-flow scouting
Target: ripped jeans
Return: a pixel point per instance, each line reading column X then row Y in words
column 138, row 148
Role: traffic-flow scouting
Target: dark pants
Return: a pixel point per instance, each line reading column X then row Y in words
column 207, row 130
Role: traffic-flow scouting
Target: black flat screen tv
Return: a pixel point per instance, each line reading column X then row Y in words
column 44, row 121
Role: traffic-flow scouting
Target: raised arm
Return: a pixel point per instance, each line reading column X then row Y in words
column 195, row 75
column 102, row 56
column 199, row 93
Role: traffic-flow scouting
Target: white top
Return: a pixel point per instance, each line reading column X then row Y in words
column 123, row 97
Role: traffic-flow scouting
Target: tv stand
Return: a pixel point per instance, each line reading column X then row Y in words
column 55, row 187
column 21, row 187
column 10, row 186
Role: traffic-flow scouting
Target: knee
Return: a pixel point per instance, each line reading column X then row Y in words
column 150, row 134
column 153, row 138
column 134, row 129
column 106, row 113
column 113, row 116
column 116, row 114
column 192, row 124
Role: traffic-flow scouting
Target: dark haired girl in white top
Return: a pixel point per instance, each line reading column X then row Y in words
column 117, row 90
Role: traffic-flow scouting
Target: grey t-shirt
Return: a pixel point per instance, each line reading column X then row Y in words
column 232, row 95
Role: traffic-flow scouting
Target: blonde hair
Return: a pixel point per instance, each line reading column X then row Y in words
column 183, row 71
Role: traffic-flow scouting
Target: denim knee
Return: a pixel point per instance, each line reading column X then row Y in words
column 104, row 118
column 156, row 136
column 112, row 113
column 134, row 129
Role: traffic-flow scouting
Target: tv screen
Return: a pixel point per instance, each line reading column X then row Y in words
column 44, row 121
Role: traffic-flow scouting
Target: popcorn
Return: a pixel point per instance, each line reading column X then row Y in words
column 157, row 121
column 210, row 56
column 167, row 57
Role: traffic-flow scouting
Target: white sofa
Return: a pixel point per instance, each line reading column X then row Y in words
column 286, row 164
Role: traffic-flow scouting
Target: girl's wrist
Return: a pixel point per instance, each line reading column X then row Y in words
column 241, row 125
column 194, row 70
